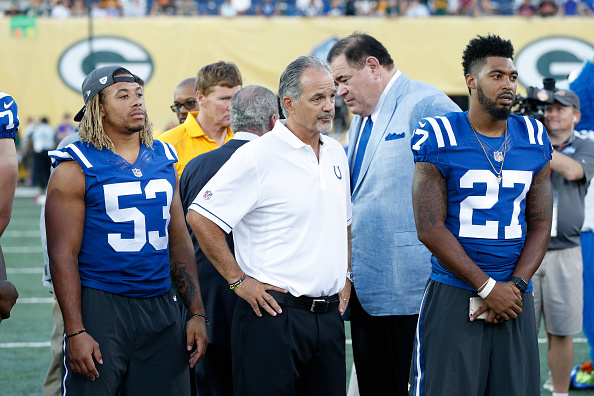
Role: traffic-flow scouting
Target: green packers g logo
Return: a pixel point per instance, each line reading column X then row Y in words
column 87, row 55
column 553, row 57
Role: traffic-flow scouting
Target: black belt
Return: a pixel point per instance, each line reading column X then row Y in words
column 312, row 304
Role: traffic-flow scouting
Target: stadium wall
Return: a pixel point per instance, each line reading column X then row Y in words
column 43, row 61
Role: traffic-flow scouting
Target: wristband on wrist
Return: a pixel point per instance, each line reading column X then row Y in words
column 199, row 314
column 77, row 333
column 488, row 288
column 483, row 285
column 236, row 284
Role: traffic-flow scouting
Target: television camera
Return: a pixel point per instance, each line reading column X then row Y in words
column 533, row 104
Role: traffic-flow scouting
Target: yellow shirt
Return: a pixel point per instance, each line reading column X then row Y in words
column 190, row 140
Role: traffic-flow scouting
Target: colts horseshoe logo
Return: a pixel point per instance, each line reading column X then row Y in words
column 337, row 172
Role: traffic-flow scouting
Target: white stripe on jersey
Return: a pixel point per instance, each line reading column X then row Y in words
column 437, row 130
column 530, row 127
column 439, row 133
column 80, row 155
column 449, row 130
column 540, row 131
column 530, row 130
column 60, row 154
column 168, row 151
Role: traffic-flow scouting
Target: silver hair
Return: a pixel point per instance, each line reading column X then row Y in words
column 251, row 109
column 290, row 80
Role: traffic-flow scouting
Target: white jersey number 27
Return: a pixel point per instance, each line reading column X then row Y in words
column 490, row 229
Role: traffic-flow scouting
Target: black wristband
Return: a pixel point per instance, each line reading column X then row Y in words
column 77, row 333
column 236, row 284
column 199, row 314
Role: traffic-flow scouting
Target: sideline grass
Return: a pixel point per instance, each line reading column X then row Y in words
column 22, row 370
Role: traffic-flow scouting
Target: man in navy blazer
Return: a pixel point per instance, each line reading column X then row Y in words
column 254, row 111
column 390, row 266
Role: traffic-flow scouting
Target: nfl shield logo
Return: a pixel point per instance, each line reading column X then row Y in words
column 207, row 195
column 137, row 172
column 498, row 156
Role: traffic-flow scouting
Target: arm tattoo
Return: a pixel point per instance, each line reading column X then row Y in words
column 539, row 202
column 183, row 282
column 429, row 195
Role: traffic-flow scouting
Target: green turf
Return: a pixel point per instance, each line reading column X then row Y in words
column 22, row 370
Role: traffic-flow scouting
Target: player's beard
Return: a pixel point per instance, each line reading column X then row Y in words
column 490, row 106
column 324, row 127
column 133, row 128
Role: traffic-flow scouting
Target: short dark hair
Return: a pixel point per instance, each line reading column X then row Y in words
column 480, row 48
column 357, row 47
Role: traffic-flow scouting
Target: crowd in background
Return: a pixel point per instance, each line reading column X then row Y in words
column 62, row 9
column 35, row 139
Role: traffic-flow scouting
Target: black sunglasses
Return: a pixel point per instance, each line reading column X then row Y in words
column 189, row 105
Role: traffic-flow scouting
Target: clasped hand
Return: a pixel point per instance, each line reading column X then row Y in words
column 504, row 303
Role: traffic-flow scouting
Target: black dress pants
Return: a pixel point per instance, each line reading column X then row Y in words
column 382, row 350
column 294, row 353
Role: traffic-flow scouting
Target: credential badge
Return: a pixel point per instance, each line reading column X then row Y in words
column 137, row 172
column 498, row 156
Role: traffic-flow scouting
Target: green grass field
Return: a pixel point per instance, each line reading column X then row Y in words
column 24, row 338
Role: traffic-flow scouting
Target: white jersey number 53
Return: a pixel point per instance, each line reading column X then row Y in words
column 112, row 193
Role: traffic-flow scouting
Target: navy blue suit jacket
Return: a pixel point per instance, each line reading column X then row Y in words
column 219, row 301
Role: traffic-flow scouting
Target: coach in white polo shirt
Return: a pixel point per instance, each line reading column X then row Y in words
column 286, row 196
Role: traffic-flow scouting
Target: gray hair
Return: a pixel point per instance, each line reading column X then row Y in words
column 290, row 80
column 251, row 109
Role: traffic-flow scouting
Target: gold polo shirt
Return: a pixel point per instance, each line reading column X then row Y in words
column 190, row 140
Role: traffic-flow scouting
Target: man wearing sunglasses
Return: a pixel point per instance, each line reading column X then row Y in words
column 209, row 128
column 184, row 99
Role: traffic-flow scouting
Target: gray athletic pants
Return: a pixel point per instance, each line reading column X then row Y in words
column 142, row 343
column 453, row 356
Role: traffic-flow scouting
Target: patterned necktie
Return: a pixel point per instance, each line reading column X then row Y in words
column 361, row 151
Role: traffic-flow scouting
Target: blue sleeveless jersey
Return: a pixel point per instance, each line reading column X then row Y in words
column 125, row 245
column 9, row 118
column 487, row 217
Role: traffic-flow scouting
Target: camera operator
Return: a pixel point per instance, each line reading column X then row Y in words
column 558, row 286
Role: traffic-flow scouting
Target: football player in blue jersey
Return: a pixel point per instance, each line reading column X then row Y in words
column 483, row 207
column 117, row 241
column 9, row 125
